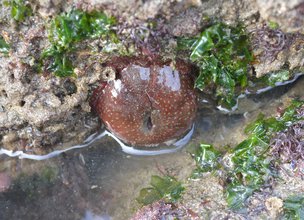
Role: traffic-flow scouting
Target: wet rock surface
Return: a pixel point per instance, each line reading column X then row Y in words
column 155, row 211
column 37, row 109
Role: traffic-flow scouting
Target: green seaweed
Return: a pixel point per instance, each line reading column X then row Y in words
column 273, row 25
column 4, row 47
column 293, row 208
column 206, row 158
column 78, row 25
column 61, row 64
column 273, row 78
column 265, row 128
column 166, row 187
column 70, row 28
column 223, row 55
column 251, row 164
column 19, row 9
column 251, row 169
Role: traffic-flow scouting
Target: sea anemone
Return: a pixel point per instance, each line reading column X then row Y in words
column 150, row 101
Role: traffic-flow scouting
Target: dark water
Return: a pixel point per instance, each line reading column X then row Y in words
column 102, row 182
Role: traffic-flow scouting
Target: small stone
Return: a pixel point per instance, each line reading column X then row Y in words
column 10, row 137
column 274, row 206
column 5, row 181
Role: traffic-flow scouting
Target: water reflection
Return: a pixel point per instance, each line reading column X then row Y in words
column 91, row 216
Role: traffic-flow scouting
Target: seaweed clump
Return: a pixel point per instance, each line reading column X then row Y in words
column 223, row 55
column 19, row 9
column 293, row 207
column 68, row 29
column 166, row 188
column 207, row 159
column 4, row 47
column 252, row 159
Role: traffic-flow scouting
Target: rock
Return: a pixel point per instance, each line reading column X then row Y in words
column 288, row 14
column 5, row 181
column 274, row 205
column 188, row 23
column 157, row 210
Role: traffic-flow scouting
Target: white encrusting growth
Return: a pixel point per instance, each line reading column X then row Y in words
column 144, row 73
column 117, row 87
column 114, row 93
column 94, row 137
column 170, row 78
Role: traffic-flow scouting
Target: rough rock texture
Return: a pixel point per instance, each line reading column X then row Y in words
column 156, row 211
column 39, row 109
column 276, row 50
column 188, row 23
column 288, row 14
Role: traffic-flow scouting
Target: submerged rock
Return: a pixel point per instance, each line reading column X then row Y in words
column 155, row 211
column 5, row 181
column 149, row 102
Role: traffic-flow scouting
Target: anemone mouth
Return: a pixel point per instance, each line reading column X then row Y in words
column 148, row 124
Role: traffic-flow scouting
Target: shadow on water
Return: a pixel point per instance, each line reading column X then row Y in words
column 102, row 182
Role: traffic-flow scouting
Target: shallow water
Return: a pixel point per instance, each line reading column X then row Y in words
column 102, row 182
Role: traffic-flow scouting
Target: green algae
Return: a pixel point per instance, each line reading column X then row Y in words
column 4, row 47
column 70, row 28
column 19, row 9
column 250, row 170
column 251, row 160
column 78, row 25
column 206, row 158
column 293, row 208
column 167, row 188
column 280, row 76
column 250, row 163
column 273, row 25
column 223, row 55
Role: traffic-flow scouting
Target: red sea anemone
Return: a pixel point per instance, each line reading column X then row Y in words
column 149, row 102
